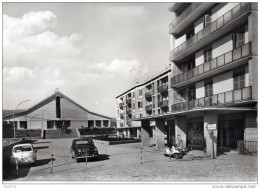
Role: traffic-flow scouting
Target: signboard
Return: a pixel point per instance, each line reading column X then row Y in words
column 212, row 126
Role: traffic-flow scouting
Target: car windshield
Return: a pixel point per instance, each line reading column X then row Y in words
column 83, row 142
column 22, row 148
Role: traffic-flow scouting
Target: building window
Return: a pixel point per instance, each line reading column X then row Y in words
column 190, row 34
column 207, row 20
column 98, row 123
column 140, row 92
column 90, row 124
column 105, row 122
column 58, row 112
column 23, row 124
column 50, row 124
column 208, row 88
column 207, row 55
column 239, row 37
column 239, row 78
column 140, row 105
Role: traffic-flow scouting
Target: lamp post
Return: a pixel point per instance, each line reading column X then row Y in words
column 14, row 112
column 42, row 118
column 31, row 125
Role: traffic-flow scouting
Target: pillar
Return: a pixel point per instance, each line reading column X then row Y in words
column 18, row 125
column 181, row 130
column 145, row 127
column 160, row 133
column 250, row 133
column 171, row 131
column 210, row 118
column 94, row 123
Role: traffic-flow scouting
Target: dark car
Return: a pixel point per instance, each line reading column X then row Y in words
column 82, row 148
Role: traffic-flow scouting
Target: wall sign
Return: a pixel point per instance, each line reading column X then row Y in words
column 212, row 126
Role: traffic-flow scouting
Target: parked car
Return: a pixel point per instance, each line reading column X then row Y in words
column 82, row 148
column 23, row 154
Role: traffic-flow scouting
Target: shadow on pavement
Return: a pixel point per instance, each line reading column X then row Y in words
column 10, row 173
column 42, row 142
column 41, row 147
column 101, row 157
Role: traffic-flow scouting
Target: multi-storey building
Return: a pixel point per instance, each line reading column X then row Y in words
column 144, row 100
column 212, row 98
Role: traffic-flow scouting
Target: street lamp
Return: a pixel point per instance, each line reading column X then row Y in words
column 31, row 125
column 42, row 118
column 14, row 112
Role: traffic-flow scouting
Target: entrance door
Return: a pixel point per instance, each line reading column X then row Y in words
column 229, row 132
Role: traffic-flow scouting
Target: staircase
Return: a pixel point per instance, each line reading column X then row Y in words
column 68, row 133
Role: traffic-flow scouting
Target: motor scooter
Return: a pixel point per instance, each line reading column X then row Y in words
column 175, row 151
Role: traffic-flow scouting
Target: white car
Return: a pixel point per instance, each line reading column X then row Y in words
column 23, row 154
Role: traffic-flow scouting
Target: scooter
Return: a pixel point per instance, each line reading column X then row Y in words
column 175, row 151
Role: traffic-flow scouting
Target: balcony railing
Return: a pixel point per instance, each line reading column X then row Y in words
column 163, row 88
column 128, row 101
column 190, row 9
column 149, row 107
column 221, row 99
column 163, row 104
column 213, row 64
column 128, row 111
column 121, row 104
column 148, row 94
column 129, row 122
column 217, row 24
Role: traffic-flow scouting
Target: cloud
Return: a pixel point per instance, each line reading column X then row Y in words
column 129, row 10
column 37, row 60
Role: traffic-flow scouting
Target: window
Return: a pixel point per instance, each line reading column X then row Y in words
column 58, row 111
column 23, row 124
column 191, row 65
column 140, row 105
column 206, row 20
column 133, row 106
column 190, row 34
column 140, row 92
column 208, row 88
column 239, row 78
column 207, row 55
column 239, row 37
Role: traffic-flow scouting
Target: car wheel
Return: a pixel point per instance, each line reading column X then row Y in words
column 177, row 155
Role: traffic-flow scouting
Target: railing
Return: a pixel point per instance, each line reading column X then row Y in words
column 163, row 103
column 121, row 104
column 224, row 98
column 213, row 64
column 128, row 101
column 148, row 94
column 163, row 88
column 121, row 124
column 217, row 24
column 129, row 122
column 149, row 107
column 246, row 147
column 128, row 111
column 190, row 9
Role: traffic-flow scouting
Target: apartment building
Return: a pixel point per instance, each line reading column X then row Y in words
column 144, row 100
column 212, row 97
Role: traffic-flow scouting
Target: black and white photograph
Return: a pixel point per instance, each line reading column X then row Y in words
column 130, row 93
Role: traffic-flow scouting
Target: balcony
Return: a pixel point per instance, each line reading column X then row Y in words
column 148, row 94
column 129, row 122
column 128, row 101
column 215, row 66
column 226, row 23
column 121, row 124
column 188, row 16
column 163, row 88
column 163, row 104
column 149, row 108
column 219, row 100
column 128, row 111
column 121, row 104
column 121, row 115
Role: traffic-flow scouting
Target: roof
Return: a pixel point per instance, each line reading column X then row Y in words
column 46, row 101
column 146, row 82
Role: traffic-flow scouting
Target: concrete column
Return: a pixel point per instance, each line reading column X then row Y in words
column 171, row 131
column 145, row 127
column 181, row 130
column 109, row 123
column 94, row 123
column 18, row 125
column 250, row 133
column 138, row 132
column 160, row 133
column 210, row 118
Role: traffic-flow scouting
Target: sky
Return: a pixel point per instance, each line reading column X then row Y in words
column 91, row 52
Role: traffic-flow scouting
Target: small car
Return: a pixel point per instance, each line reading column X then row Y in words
column 82, row 148
column 23, row 154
